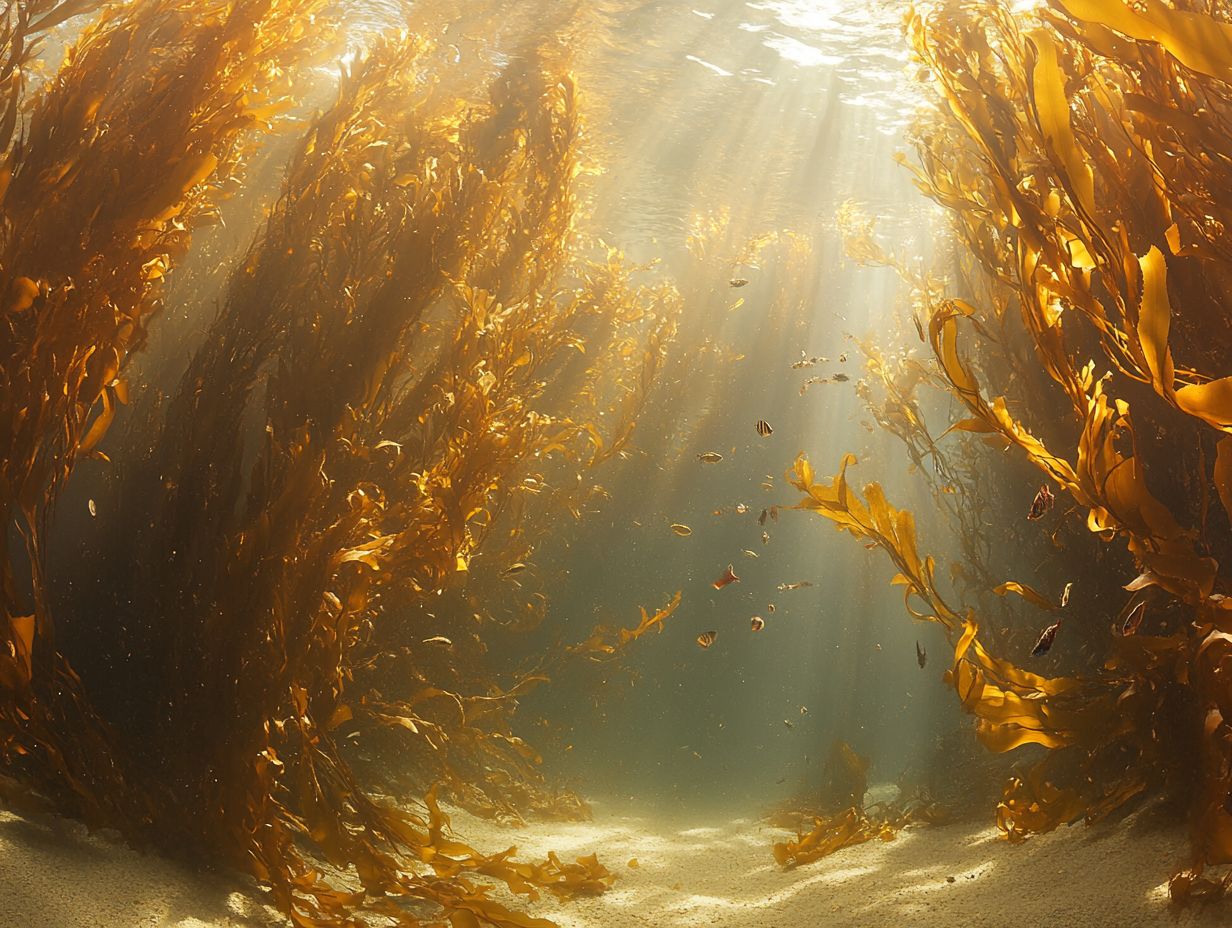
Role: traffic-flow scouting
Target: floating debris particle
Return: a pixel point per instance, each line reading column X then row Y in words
column 682, row 530
column 706, row 639
column 1044, row 643
column 728, row 576
column 1043, row 501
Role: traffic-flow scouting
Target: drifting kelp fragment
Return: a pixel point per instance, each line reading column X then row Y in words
column 1043, row 502
column 605, row 644
column 1043, row 644
column 727, row 578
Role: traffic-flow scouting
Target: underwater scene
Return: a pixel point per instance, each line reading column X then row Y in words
column 675, row 463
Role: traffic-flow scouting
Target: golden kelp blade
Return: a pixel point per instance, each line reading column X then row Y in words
column 419, row 284
column 1068, row 148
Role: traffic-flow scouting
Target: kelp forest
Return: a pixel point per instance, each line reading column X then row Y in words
column 338, row 403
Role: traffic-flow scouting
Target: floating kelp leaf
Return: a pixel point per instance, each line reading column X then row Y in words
column 798, row 585
column 1044, row 643
column 710, row 457
column 1065, row 594
column 512, row 569
column 727, row 577
column 682, row 530
column 1042, row 502
column 749, row 553
column 1134, row 619
column 604, row 643
column 738, row 281
column 439, row 639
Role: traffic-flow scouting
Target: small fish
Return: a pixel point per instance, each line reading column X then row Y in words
column 757, row 623
column 921, row 655
column 682, row 530
column 706, row 639
column 783, row 587
column 729, row 576
column 839, row 378
column 439, row 639
column 1046, row 637
column 747, row 553
column 741, row 508
column 93, row 509
column 761, row 519
column 710, row 457
column 771, row 608
column 739, row 281
column 1043, row 501
column 763, row 428
column 514, row 569
column 787, row 722
column 1134, row 619
column 765, row 538
column 1065, row 594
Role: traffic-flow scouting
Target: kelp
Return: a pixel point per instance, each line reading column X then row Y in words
column 844, row 820
column 605, row 643
column 1080, row 151
column 411, row 369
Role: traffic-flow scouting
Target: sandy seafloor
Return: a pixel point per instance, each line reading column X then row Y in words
column 52, row 875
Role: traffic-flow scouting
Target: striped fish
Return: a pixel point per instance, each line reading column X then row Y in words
column 706, row 639
column 763, row 428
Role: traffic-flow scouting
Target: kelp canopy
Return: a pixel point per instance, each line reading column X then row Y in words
column 298, row 546
column 1082, row 153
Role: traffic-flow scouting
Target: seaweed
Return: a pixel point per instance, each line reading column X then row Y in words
column 410, row 370
column 1080, row 153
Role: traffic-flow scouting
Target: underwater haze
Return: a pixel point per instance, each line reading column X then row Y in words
column 755, row 463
